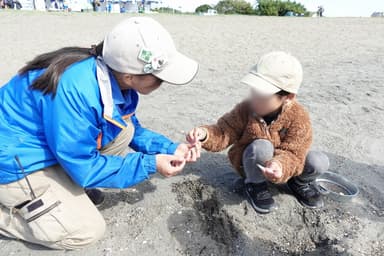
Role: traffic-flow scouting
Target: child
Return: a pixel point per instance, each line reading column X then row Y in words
column 270, row 135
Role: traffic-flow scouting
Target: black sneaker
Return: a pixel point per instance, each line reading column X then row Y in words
column 97, row 196
column 259, row 197
column 306, row 193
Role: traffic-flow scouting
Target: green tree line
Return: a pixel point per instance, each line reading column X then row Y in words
column 262, row 7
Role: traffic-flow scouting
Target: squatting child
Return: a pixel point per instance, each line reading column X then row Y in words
column 270, row 135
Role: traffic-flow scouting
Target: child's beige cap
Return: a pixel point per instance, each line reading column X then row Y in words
column 274, row 72
column 140, row 45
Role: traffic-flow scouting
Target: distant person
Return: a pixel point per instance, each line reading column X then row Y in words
column 270, row 135
column 96, row 5
column 54, row 4
column 65, row 5
column 320, row 11
column 109, row 7
column 68, row 122
column 11, row 4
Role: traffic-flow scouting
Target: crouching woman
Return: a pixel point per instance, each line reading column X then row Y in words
column 67, row 122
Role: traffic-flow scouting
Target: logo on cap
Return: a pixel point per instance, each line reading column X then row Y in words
column 152, row 62
column 145, row 55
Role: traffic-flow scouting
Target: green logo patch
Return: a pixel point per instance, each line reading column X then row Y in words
column 145, row 55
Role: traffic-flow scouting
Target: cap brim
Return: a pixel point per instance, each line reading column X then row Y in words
column 181, row 70
column 260, row 85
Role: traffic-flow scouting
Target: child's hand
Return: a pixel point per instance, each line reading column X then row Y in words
column 273, row 171
column 196, row 135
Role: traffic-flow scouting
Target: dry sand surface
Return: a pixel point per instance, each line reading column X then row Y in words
column 200, row 212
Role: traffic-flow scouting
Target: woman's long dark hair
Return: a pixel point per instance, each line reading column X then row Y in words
column 55, row 64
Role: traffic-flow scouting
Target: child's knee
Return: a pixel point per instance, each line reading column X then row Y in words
column 317, row 161
column 261, row 150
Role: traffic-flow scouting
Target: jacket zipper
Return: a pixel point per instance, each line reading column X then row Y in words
column 265, row 127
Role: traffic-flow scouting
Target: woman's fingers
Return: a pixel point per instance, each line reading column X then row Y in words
column 198, row 149
column 198, row 152
column 176, row 160
column 177, row 166
column 188, row 138
column 169, row 165
column 191, row 155
column 194, row 154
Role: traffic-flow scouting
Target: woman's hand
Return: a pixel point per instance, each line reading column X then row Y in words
column 273, row 171
column 189, row 152
column 196, row 135
column 169, row 165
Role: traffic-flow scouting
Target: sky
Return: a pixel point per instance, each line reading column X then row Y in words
column 333, row 8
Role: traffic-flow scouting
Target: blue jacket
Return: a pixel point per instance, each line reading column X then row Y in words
column 43, row 131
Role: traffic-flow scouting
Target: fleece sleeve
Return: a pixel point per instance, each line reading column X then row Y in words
column 149, row 142
column 227, row 130
column 294, row 148
column 70, row 126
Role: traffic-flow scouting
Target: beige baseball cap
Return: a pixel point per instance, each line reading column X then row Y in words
column 274, row 72
column 140, row 45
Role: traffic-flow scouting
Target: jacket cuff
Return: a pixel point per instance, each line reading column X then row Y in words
column 206, row 134
column 172, row 148
column 207, row 130
column 150, row 163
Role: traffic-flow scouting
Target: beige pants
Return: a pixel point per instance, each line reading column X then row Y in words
column 70, row 221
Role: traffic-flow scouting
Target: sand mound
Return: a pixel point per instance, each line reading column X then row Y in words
column 219, row 230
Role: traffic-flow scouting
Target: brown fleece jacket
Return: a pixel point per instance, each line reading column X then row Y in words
column 290, row 133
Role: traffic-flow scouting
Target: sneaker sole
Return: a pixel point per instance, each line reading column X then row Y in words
column 255, row 207
column 311, row 206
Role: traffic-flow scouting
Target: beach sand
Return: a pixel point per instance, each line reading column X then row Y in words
column 200, row 211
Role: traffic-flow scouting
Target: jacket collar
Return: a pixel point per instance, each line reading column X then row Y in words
column 107, row 82
column 286, row 106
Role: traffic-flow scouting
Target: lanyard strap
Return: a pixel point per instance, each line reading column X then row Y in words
column 105, row 87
